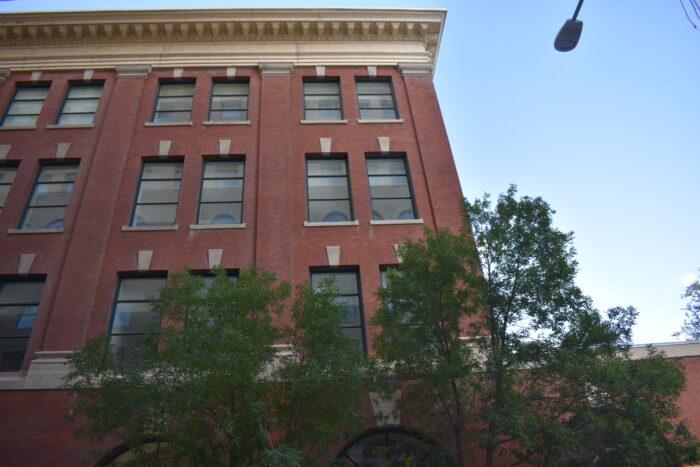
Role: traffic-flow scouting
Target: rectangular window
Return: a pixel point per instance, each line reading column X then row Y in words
column 7, row 175
column 25, row 106
column 328, row 192
column 158, row 193
column 389, row 189
column 19, row 302
column 322, row 99
column 174, row 102
column 376, row 99
column 349, row 297
column 47, row 203
column 80, row 104
column 229, row 101
column 221, row 199
column 132, row 317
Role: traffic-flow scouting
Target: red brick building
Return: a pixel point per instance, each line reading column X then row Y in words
column 133, row 143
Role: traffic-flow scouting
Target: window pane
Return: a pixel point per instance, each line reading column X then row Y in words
column 129, row 347
column 322, row 102
column 174, row 103
column 155, row 214
column 51, row 194
column 171, row 117
column 230, row 89
column 223, row 169
column 321, row 88
column 376, row 102
column 373, row 87
column 44, row 218
column 329, row 211
column 38, row 93
column 228, row 115
column 165, row 191
column 386, row 167
column 58, row 173
column 162, row 170
column 326, row 167
column 4, row 190
column 133, row 317
column 12, row 353
column 222, row 190
column 21, row 292
column 229, row 102
column 85, row 92
column 146, row 288
column 377, row 114
column 328, row 188
column 354, row 335
column 322, row 115
column 392, row 209
column 25, row 107
column 389, row 187
column 81, row 106
column 220, row 213
column 75, row 119
column 20, row 120
column 176, row 90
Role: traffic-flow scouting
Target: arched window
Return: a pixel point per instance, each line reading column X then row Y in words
column 394, row 447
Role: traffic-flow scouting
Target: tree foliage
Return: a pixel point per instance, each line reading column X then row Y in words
column 211, row 385
column 539, row 375
column 691, row 327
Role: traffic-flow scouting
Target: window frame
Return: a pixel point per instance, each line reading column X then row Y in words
column 318, row 80
column 23, row 85
column 9, row 166
column 164, row 83
column 409, row 182
column 377, row 79
column 216, row 81
column 360, row 308
column 344, row 158
column 24, row 279
column 35, row 184
column 136, row 202
column 66, row 98
column 235, row 159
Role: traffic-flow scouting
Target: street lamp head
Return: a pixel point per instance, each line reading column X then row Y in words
column 568, row 36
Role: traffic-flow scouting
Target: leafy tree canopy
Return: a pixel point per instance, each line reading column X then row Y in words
column 691, row 327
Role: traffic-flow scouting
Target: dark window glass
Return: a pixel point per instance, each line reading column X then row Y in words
column 322, row 100
column 389, row 189
column 229, row 101
column 19, row 302
column 349, row 297
column 47, row 203
column 376, row 99
column 221, row 198
column 7, row 175
column 394, row 447
column 328, row 192
column 158, row 193
column 132, row 317
column 174, row 103
column 80, row 105
column 25, row 106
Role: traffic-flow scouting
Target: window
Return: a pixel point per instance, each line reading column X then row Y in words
column 349, row 297
column 47, row 204
column 322, row 100
column 389, row 189
column 174, row 103
column 132, row 318
column 376, row 99
column 158, row 192
column 80, row 104
column 25, row 106
column 392, row 446
column 328, row 192
column 221, row 199
column 19, row 301
column 229, row 101
column 7, row 175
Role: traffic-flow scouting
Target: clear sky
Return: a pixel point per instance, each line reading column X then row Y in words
column 608, row 134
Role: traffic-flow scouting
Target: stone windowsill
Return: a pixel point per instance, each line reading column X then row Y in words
column 216, row 226
column 34, row 231
column 81, row 125
column 226, row 122
column 388, row 120
column 167, row 124
column 146, row 228
column 331, row 224
column 25, row 127
column 311, row 122
column 396, row 222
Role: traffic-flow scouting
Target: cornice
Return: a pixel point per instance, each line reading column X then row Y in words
column 54, row 33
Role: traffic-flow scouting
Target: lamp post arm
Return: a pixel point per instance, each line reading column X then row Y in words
column 578, row 8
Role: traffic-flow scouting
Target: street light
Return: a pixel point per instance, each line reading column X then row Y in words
column 570, row 33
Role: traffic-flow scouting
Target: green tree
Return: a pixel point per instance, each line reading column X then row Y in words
column 691, row 327
column 539, row 375
column 211, row 385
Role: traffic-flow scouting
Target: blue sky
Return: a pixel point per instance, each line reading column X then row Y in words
column 607, row 134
